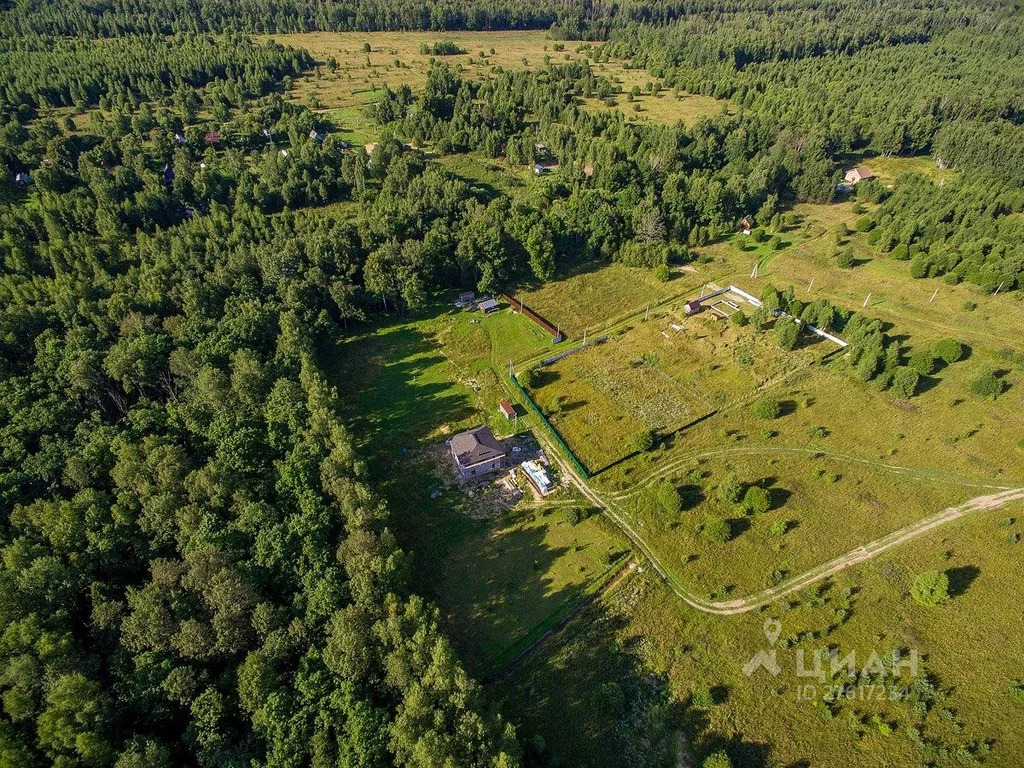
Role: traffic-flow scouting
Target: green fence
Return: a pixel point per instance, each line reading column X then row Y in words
column 554, row 433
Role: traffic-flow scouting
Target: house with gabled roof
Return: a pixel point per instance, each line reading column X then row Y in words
column 476, row 452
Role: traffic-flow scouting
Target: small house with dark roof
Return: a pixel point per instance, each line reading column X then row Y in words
column 476, row 452
column 746, row 224
column 693, row 307
column 860, row 173
column 315, row 135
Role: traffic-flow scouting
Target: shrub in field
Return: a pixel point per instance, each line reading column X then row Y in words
column 948, row 350
column 669, row 499
column 930, row 588
column 844, row 259
column 987, row 385
column 863, row 224
column 767, row 408
column 738, row 319
column 756, row 500
column 716, row 530
column 923, row 362
column 717, row 760
column 702, row 699
column 642, row 441
column 526, row 378
column 779, row 528
column 786, row 333
column 730, row 489
column 904, row 382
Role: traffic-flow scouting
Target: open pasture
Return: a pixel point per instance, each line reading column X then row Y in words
column 347, row 77
column 968, row 649
column 822, row 506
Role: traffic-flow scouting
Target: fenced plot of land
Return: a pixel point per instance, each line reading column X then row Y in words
column 597, row 295
column 657, row 375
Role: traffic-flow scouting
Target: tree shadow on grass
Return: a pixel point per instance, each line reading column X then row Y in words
column 749, row 754
column 738, row 526
column 586, row 698
column 960, row 579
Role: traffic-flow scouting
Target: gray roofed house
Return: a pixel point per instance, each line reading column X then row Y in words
column 491, row 305
column 476, row 452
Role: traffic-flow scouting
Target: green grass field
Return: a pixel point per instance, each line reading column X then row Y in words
column 395, row 58
column 641, row 633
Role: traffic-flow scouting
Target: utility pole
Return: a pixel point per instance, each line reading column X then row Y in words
column 810, row 285
column 866, row 300
column 933, row 296
column 647, row 314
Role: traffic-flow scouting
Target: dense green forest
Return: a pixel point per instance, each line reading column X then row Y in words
column 195, row 568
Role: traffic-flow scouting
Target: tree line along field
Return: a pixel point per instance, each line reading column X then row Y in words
column 913, row 305
column 347, row 77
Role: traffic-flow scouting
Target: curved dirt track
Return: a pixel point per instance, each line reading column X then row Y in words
column 849, row 559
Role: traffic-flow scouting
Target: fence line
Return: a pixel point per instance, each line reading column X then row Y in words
column 573, row 351
column 554, row 433
column 555, row 333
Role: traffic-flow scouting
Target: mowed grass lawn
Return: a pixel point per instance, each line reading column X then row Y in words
column 498, row 581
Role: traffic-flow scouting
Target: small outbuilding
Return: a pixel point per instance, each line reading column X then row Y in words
column 507, row 409
column 860, row 173
column 693, row 307
column 213, row 137
column 491, row 305
column 476, row 452
column 465, row 299
column 747, row 224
